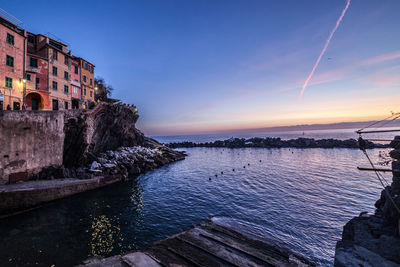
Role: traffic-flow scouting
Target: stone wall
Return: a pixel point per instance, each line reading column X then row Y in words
column 29, row 141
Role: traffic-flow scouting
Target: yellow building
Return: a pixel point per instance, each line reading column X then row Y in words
column 87, row 82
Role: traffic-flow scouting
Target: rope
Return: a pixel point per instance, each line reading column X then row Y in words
column 374, row 123
column 380, row 180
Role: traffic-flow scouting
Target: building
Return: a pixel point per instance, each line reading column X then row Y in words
column 37, row 74
column 59, row 73
column 12, row 60
column 76, row 101
column 87, row 82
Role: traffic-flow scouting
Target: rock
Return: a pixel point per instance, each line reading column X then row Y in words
column 109, row 165
column 95, row 166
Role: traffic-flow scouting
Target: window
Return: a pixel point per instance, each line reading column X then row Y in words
column 91, row 81
column 28, row 77
column 8, row 82
column 66, row 60
column 66, row 75
column 55, row 85
column 31, row 39
column 55, row 44
column 55, row 104
column 76, row 69
column 84, row 78
column 10, row 39
column 66, row 105
column 91, row 93
column 37, row 83
column 75, row 90
column 37, row 80
column 84, row 91
column 55, row 54
column 54, row 71
column 33, row 62
column 10, row 61
column 66, row 89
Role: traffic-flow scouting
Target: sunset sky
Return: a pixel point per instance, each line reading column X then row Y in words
column 205, row 66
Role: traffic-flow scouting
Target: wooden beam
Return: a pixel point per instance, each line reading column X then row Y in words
column 376, row 169
column 378, row 131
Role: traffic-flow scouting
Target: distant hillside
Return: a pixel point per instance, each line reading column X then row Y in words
column 310, row 127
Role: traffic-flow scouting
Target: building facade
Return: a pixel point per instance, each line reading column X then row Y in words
column 12, row 56
column 38, row 72
column 87, row 83
column 36, row 76
column 76, row 95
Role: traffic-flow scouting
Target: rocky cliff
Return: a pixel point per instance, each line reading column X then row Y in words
column 373, row 240
column 105, row 141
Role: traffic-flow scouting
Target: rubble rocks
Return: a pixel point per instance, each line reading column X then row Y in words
column 270, row 142
column 374, row 240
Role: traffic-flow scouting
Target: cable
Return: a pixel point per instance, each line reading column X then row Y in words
column 380, row 180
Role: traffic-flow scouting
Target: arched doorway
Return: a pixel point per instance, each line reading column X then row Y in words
column 34, row 101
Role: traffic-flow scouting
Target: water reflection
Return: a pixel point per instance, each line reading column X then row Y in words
column 105, row 235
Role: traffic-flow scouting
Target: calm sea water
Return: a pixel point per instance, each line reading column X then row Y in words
column 301, row 197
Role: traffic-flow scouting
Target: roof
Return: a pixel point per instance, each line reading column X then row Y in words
column 86, row 61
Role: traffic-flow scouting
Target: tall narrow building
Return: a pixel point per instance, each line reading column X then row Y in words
column 12, row 56
column 87, row 82
column 76, row 95
column 37, row 74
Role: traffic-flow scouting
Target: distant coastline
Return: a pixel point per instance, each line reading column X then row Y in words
column 272, row 142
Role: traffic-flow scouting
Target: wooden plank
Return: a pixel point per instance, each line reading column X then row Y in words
column 233, row 257
column 245, row 248
column 271, row 250
column 374, row 169
column 193, row 254
column 166, row 257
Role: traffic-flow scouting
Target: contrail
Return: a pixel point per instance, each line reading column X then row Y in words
column 324, row 49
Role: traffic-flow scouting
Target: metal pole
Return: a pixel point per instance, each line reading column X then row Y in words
column 378, row 131
column 24, row 95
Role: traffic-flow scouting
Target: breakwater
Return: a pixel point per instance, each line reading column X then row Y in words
column 276, row 142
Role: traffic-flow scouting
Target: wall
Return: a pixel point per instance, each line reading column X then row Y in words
column 30, row 140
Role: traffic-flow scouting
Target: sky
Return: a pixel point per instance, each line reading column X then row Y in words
column 206, row 66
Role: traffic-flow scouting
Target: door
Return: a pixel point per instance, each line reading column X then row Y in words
column 55, row 104
column 35, row 104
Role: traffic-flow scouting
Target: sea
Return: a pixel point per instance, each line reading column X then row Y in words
column 298, row 198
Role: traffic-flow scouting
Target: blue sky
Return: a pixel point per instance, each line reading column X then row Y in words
column 205, row 66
